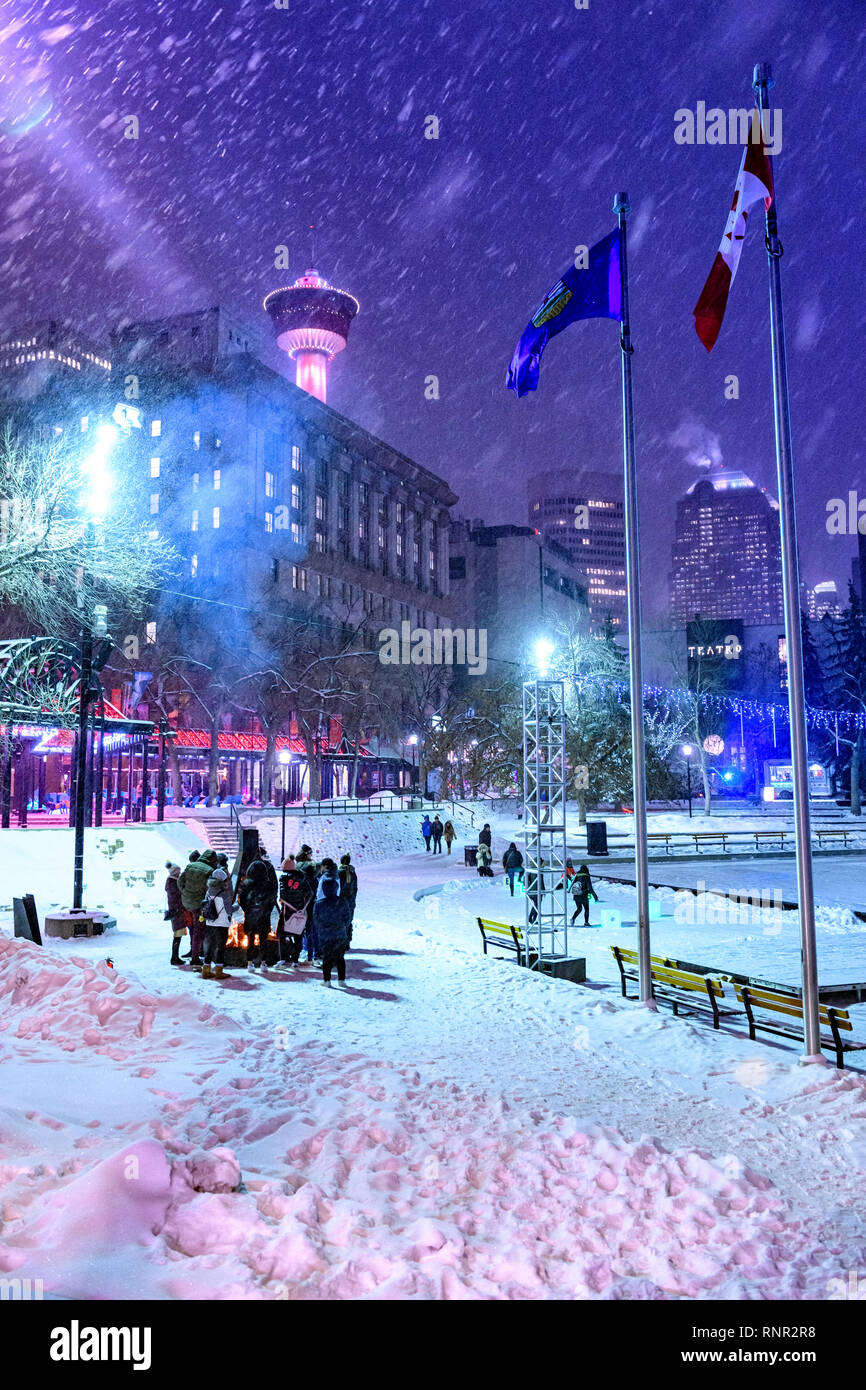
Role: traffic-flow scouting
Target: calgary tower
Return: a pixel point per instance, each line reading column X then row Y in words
column 311, row 321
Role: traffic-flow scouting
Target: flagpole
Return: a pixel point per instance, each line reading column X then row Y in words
column 762, row 81
column 632, row 560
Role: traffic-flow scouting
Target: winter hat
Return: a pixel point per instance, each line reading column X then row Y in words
column 329, row 888
column 217, row 877
column 288, row 863
column 346, row 859
column 194, row 854
column 173, row 870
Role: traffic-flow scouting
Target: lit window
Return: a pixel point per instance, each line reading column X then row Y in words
column 296, row 458
column 193, row 565
column 152, row 535
column 84, row 422
column 156, row 427
column 299, row 577
column 150, row 634
column 269, row 521
column 269, row 484
column 154, row 503
column 216, row 518
column 194, row 526
column 296, row 533
column 217, row 474
column 154, row 468
column 296, row 496
column 196, row 439
column 195, row 482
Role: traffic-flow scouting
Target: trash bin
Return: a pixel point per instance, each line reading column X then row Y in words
column 470, row 856
column 596, row 837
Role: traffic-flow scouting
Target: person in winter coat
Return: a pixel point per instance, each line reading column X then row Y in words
column 449, row 835
column 437, row 829
column 512, row 863
column 294, row 897
column 534, row 888
column 228, row 887
column 426, row 831
column 483, row 860
column 272, row 873
column 193, row 887
column 304, row 862
column 581, row 892
column 485, row 837
column 348, row 888
column 257, row 899
column 331, row 916
column 218, row 919
column 328, row 870
column 175, row 912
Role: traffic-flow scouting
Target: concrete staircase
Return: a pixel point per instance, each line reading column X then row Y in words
column 221, row 832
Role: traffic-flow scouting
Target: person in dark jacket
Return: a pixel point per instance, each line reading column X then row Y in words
column 437, row 829
column 534, row 886
column 512, row 863
column 193, row 887
column 348, row 889
column 485, row 837
column 304, row 863
column 331, row 916
column 175, row 912
column 272, row 873
column 581, row 892
column 257, row 899
column 426, row 831
column 294, row 898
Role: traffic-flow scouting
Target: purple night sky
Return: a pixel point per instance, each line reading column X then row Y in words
column 257, row 121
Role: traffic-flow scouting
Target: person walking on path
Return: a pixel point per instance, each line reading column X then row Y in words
column 193, row 887
column 304, row 862
column 218, row 920
column 175, row 912
column 581, row 893
column 294, row 898
column 483, row 860
column 449, row 835
column 437, row 829
column 426, row 831
column 257, row 899
column 348, row 889
column 331, row 916
column 534, row 890
column 512, row 863
column 485, row 837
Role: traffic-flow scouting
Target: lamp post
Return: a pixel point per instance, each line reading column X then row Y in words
column 412, row 741
column 687, row 751
column 93, row 624
column 285, row 758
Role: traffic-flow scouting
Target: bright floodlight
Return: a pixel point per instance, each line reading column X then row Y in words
column 284, row 756
column 542, row 652
column 95, row 469
column 688, row 750
column 412, row 739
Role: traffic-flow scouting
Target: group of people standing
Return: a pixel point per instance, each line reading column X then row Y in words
column 314, row 902
column 435, row 831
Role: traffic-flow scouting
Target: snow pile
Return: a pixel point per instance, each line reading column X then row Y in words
column 78, row 1004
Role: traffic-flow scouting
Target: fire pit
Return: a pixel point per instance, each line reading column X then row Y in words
column 237, row 943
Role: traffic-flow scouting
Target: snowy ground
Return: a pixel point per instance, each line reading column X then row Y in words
column 451, row 1127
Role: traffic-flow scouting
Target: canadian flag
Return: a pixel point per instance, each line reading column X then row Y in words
column 754, row 182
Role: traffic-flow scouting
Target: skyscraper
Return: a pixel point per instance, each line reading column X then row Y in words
column 726, row 556
column 581, row 510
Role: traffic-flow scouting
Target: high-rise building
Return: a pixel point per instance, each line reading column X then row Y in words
column 509, row 582
column 726, row 557
column 823, row 599
column 581, row 510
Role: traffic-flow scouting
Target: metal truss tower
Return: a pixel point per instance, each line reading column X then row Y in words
column 544, row 815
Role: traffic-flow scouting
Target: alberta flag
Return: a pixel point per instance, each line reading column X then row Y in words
column 592, row 293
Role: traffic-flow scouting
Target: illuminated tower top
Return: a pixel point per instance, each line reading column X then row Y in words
column 311, row 321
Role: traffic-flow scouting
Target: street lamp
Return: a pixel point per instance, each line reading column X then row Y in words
column 687, row 751
column 285, row 758
column 542, row 653
column 412, row 741
column 95, row 501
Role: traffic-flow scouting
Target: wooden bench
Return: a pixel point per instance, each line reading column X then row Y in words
column 699, row 836
column 823, row 835
column 779, row 835
column 662, row 835
column 501, row 934
column 784, row 1005
column 683, row 989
